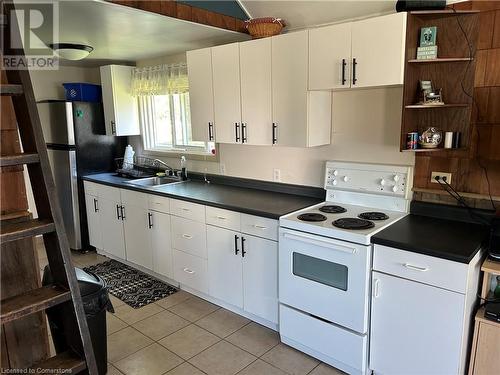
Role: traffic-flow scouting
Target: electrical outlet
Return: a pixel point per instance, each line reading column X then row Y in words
column 222, row 169
column 276, row 175
column 440, row 175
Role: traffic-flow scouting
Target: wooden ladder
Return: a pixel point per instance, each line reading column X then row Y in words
column 65, row 289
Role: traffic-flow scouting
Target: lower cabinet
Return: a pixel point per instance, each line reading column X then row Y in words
column 191, row 271
column 243, row 271
column 93, row 220
column 137, row 236
column 113, row 239
column 161, row 243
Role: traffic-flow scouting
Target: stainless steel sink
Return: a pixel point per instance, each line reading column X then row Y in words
column 154, row 181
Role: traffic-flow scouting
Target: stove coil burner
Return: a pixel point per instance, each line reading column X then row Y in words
column 330, row 209
column 353, row 223
column 311, row 216
column 373, row 216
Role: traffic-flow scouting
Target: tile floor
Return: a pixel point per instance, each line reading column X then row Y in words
column 185, row 335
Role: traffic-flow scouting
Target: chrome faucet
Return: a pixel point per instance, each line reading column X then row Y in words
column 164, row 165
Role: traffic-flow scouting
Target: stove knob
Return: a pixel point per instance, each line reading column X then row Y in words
column 382, row 182
column 335, row 172
column 346, row 178
column 396, row 178
column 394, row 188
column 334, row 182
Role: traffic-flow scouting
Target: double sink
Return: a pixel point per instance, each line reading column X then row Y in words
column 155, row 181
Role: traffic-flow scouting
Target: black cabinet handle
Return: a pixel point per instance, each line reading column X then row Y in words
column 118, row 212
column 343, row 71
column 96, row 209
column 275, row 139
column 236, row 250
column 237, row 131
column 210, row 131
column 122, row 210
column 243, row 252
column 243, row 132
column 354, row 63
column 150, row 220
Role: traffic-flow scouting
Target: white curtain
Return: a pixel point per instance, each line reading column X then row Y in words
column 160, row 80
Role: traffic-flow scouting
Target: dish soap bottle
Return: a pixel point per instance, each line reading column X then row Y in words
column 183, row 168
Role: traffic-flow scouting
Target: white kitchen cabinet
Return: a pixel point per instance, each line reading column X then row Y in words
column 256, row 101
column 120, row 107
column 415, row 328
column 226, row 93
column 93, row 220
column 260, row 277
column 161, row 243
column 330, row 57
column 297, row 124
column 201, row 97
column 137, row 235
column 225, row 267
column 378, row 51
column 113, row 240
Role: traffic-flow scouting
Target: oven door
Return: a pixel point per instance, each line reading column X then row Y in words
column 326, row 278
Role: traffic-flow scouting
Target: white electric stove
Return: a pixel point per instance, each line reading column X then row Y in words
column 325, row 259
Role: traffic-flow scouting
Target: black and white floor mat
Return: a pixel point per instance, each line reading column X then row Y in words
column 133, row 287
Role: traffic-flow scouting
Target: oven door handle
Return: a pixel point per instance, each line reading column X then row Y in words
column 317, row 242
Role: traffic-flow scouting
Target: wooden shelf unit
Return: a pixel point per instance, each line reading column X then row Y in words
column 449, row 73
column 484, row 357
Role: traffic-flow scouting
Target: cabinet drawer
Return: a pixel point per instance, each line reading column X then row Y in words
column 348, row 348
column 223, row 218
column 421, row 268
column 189, row 236
column 108, row 192
column 91, row 188
column 160, row 204
column 190, row 271
column 188, row 210
column 134, row 198
column 260, row 226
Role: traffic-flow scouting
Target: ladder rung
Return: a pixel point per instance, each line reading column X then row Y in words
column 18, row 159
column 33, row 301
column 67, row 361
column 28, row 228
column 10, row 90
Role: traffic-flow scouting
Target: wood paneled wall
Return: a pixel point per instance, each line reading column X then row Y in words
column 471, row 173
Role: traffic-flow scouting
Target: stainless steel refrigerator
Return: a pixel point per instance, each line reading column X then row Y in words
column 77, row 145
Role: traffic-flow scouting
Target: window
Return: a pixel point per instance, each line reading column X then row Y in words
column 163, row 97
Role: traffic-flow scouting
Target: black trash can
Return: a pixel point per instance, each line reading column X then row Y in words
column 95, row 303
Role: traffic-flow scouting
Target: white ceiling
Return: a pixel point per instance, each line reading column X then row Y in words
column 123, row 34
column 300, row 14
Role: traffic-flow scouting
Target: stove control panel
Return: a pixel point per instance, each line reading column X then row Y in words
column 390, row 180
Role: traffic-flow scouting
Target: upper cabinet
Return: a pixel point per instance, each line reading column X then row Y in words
column 201, row 99
column 226, row 92
column 120, row 107
column 366, row 53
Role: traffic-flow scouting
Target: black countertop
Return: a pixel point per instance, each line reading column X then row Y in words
column 269, row 201
column 454, row 240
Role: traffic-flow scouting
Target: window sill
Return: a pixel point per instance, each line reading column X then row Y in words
column 193, row 155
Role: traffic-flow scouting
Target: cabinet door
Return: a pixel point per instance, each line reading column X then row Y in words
column 330, row 57
column 161, row 243
column 289, row 88
column 137, row 235
column 201, row 96
column 378, row 47
column 120, row 107
column 113, row 240
column 224, row 265
column 255, row 66
column 227, row 103
column 260, row 277
column 93, row 221
column 415, row 328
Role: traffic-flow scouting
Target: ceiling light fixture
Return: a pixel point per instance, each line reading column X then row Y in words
column 71, row 51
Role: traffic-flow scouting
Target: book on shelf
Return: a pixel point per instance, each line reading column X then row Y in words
column 425, row 53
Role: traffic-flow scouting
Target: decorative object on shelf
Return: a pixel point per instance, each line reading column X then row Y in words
column 427, row 48
column 497, row 289
column 448, row 140
column 429, row 96
column 264, row 27
column 456, row 140
column 408, row 5
column 431, row 138
column 412, row 141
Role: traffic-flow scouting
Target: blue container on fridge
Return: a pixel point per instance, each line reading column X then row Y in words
column 83, row 92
